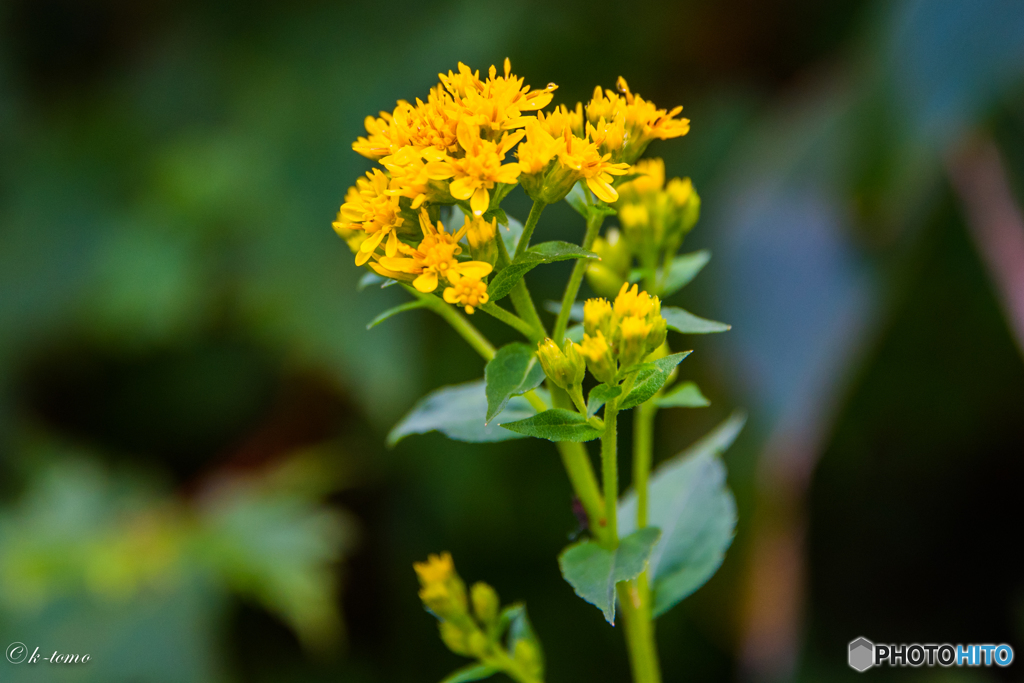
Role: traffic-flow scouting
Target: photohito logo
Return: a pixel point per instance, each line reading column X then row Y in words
column 863, row 654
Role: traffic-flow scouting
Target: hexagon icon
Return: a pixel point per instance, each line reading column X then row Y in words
column 862, row 654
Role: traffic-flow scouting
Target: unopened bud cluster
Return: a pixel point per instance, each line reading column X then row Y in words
column 654, row 217
column 470, row 625
column 620, row 334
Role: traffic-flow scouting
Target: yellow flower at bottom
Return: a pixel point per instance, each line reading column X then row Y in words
column 434, row 258
column 470, row 292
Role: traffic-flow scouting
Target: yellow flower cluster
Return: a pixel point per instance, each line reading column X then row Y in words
column 455, row 147
column 620, row 334
column 617, row 335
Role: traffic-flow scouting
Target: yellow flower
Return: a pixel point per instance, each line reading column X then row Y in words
column 369, row 207
column 633, row 332
column 564, row 366
column 469, row 292
column 583, row 156
column 498, row 103
column 437, row 569
column 412, row 171
column 481, row 168
column 650, row 178
column 598, row 355
column 641, row 121
column 433, row 258
column 632, row 302
column 597, row 316
column 384, row 137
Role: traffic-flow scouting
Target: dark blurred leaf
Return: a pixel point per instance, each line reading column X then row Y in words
column 593, row 571
column 687, row 323
column 683, row 269
column 684, row 395
column 696, row 513
column 510, row 233
column 459, row 412
column 651, row 377
column 556, row 424
column 473, row 672
column 513, row 371
column 546, row 252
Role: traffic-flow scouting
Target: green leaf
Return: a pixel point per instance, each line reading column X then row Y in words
column 460, row 413
column 520, row 628
column 513, row 371
column 408, row 306
column 546, row 252
column 687, row 323
column 473, row 672
column 600, row 395
column 585, row 203
column 593, row 571
column 685, row 395
column 369, row 279
column 690, row 503
column 683, row 269
column 575, row 334
column 650, row 377
column 556, row 424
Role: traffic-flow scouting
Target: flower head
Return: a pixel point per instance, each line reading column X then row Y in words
column 481, row 168
column 442, row 590
column 466, row 291
column 433, row 258
column 636, row 120
column 497, row 103
column 370, row 207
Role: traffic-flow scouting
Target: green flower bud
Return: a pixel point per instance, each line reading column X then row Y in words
column 455, row 639
column 566, row 371
column 528, row 656
column 478, row 643
column 485, row 603
column 598, row 354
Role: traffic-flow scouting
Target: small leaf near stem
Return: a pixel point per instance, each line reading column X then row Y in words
column 572, row 288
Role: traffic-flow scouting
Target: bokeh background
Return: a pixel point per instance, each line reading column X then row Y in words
column 193, row 479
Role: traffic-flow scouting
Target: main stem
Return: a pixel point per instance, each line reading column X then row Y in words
column 576, row 279
column 610, row 473
column 635, row 596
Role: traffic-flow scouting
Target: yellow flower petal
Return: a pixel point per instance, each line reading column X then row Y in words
column 462, row 188
column 392, row 247
column 426, row 283
column 474, row 269
column 604, row 191
column 481, row 200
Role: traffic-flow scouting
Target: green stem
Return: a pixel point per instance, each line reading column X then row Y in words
column 531, row 223
column 576, row 279
column 523, row 304
column 577, row 465
column 610, row 472
column 643, row 449
column 512, row 320
column 635, row 603
column 458, row 322
column 502, row 660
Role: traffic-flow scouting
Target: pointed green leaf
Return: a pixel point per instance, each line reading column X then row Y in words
column 687, row 323
column 650, row 377
column 684, row 395
column 408, row 306
column 459, row 412
column 513, row 371
column 369, row 279
column 556, row 424
column 546, row 252
column 593, row 571
column 683, row 269
column 520, row 628
column 690, row 503
column 600, row 395
column 473, row 672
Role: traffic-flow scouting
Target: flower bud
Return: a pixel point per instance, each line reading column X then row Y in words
column 598, row 354
column 480, row 234
column 455, row 638
column 597, row 316
column 565, row 369
column 443, row 592
column 528, row 656
column 478, row 644
column 485, row 603
column 633, row 333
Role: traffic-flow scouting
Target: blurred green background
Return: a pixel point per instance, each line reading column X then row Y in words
column 193, row 479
